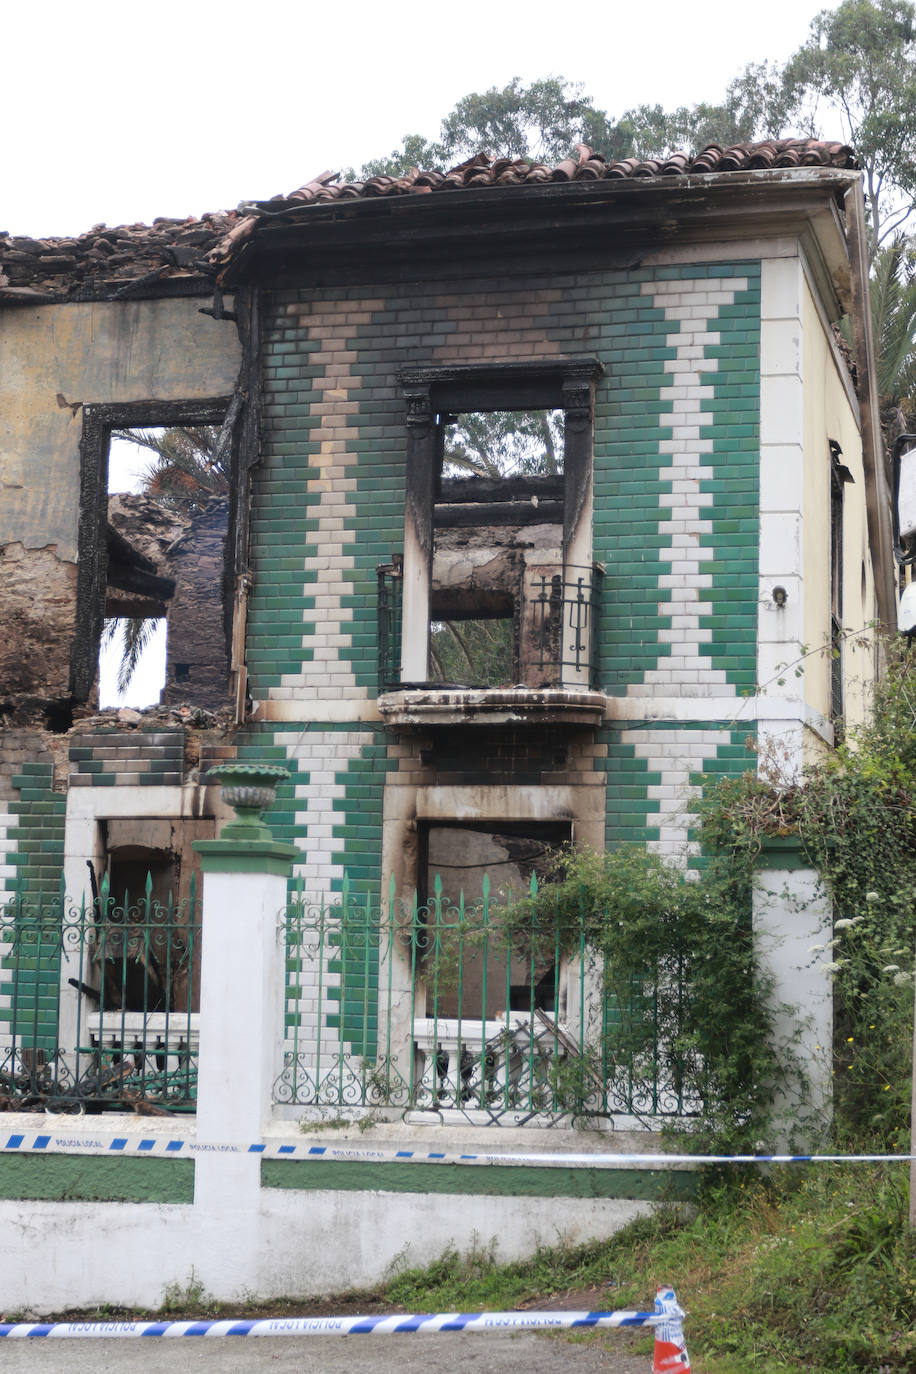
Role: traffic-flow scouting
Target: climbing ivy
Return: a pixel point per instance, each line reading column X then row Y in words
column 855, row 816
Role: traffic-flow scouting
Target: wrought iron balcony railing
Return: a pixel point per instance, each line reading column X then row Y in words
column 548, row 642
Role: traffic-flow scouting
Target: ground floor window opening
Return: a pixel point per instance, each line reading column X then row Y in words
column 472, row 968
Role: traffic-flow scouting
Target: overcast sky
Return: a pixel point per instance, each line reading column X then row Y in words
column 118, row 112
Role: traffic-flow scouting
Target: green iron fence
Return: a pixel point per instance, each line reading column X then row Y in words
column 474, row 1011
column 99, row 1003
column 468, row 1010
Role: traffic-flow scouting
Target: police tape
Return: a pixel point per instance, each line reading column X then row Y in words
column 403, row 1324
column 174, row 1146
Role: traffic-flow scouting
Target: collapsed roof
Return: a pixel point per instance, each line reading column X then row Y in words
column 178, row 257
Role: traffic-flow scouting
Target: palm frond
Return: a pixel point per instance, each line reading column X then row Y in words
column 893, row 299
column 137, row 635
column 189, row 463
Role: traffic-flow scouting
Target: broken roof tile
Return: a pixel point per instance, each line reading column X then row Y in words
column 107, row 262
column 104, row 261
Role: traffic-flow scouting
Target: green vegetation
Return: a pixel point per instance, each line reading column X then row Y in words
column 852, row 80
column 810, row 1269
column 688, row 1003
column 856, row 817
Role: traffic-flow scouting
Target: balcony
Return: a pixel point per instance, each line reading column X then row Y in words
column 532, row 660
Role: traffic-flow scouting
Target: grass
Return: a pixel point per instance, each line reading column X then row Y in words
column 808, row 1270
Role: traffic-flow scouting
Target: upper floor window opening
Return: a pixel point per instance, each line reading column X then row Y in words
column 499, row 480
column 155, row 502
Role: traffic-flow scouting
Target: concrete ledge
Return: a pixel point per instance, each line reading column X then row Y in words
column 425, row 706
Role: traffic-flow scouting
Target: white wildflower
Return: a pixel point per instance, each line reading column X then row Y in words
column 845, row 923
column 816, row 949
column 891, row 968
column 872, row 897
column 901, row 978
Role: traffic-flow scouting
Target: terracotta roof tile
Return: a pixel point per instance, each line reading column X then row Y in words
column 584, row 165
column 128, row 258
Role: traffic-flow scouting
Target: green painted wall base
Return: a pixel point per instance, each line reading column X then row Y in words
column 93, row 1178
column 649, row 1185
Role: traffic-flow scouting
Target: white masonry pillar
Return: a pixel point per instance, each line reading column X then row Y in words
column 792, row 927
column 242, row 988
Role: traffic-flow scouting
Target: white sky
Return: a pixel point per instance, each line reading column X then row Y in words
column 116, row 112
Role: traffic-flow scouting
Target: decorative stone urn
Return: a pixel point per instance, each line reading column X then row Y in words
column 249, row 788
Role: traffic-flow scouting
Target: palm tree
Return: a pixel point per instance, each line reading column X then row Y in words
column 190, row 465
column 893, row 304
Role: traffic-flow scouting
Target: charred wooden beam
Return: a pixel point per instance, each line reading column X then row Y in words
column 458, row 489
column 497, row 513
column 124, row 552
column 131, row 571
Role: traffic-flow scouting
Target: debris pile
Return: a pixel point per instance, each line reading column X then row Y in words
column 104, row 262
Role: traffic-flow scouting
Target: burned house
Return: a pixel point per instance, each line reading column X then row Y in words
column 547, row 484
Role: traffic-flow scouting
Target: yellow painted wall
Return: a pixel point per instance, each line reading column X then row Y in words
column 93, row 353
column 830, row 414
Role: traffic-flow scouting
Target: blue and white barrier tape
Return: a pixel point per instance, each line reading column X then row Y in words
column 185, row 1147
column 337, row 1326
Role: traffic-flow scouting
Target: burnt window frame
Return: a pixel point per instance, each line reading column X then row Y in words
column 92, row 559
column 558, row 383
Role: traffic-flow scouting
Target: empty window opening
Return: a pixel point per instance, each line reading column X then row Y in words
column 166, row 518
column 503, row 444
column 154, row 513
column 469, row 973
column 475, row 652
column 499, row 471
column 498, row 513
column 144, row 955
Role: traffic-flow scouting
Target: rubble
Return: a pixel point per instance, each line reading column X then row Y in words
column 102, row 261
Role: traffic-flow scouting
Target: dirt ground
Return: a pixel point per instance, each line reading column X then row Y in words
column 614, row 1351
column 605, row 1352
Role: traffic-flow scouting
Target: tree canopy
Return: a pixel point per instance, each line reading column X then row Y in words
column 541, row 121
column 858, row 71
column 854, row 79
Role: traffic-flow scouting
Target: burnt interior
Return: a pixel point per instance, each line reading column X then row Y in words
column 151, row 556
column 498, row 476
column 495, row 978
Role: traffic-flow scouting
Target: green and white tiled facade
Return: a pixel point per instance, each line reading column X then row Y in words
column 32, row 818
column 675, row 522
column 689, row 498
column 676, row 449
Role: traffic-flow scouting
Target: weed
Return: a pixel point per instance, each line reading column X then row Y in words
column 329, row 1123
column 192, row 1294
